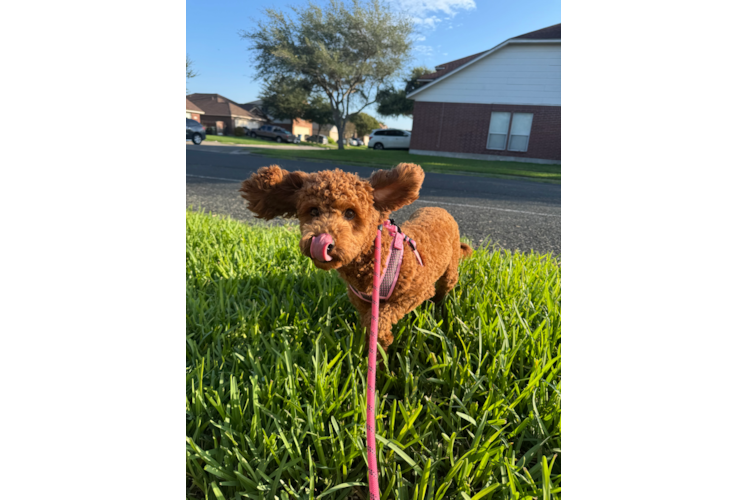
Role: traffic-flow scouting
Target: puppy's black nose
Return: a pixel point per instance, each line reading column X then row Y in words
column 330, row 247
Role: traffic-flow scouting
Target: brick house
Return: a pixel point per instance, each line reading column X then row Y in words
column 501, row 104
column 194, row 111
column 225, row 115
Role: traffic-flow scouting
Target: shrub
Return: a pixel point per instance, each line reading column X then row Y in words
column 210, row 130
column 330, row 140
column 239, row 132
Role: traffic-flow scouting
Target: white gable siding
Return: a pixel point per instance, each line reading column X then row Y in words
column 514, row 74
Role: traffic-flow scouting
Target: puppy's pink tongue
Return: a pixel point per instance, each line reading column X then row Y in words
column 320, row 243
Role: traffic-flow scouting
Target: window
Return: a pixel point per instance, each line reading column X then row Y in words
column 497, row 130
column 520, row 134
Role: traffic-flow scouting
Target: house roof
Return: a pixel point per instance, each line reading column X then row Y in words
column 215, row 104
column 551, row 33
column 191, row 106
column 443, row 69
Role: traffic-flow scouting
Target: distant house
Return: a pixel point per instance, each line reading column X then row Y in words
column 297, row 126
column 330, row 130
column 225, row 115
column 194, row 111
column 504, row 103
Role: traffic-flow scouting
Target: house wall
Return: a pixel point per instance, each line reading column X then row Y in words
column 222, row 123
column 463, row 128
column 514, row 74
column 297, row 127
column 302, row 127
column 194, row 116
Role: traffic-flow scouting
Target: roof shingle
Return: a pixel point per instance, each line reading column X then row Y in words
column 191, row 106
column 215, row 104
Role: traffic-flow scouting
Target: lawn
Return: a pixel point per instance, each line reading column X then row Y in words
column 469, row 400
column 362, row 155
column 227, row 139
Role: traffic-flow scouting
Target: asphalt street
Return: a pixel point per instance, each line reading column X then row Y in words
column 514, row 214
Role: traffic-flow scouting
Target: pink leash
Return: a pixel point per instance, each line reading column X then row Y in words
column 371, row 441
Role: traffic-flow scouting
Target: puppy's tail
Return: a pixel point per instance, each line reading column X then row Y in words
column 466, row 250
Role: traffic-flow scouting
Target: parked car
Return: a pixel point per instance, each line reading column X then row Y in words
column 320, row 139
column 355, row 141
column 195, row 131
column 274, row 133
column 389, row 139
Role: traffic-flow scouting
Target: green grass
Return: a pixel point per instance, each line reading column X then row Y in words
column 227, row 139
column 469, row 402
column 388, row 158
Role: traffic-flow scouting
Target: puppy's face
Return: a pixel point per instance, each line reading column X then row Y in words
column 337, row 211
column 337, row 218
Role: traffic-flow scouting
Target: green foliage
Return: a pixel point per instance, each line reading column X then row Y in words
column 239, row 132
column 469, row 394
column 392, row 102
column 285, row 98
column 318, row 110
column 343, row 50
column 364, row 123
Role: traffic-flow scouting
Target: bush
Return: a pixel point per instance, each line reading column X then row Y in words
column 330, row 140
column 210, row 130
column 239, row 132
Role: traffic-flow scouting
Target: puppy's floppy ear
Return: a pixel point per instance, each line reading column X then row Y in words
column 273, row 191
column 396, row 188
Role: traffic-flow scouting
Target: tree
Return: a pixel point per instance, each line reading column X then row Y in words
column 345, row 50
column 318, row 110
column 191, row 73
column 285, row 98
column 364, row 123
column 393, row 102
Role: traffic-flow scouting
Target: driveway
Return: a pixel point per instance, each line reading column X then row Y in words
column 516, row 215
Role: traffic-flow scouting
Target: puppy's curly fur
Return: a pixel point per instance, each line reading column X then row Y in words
column 321, row 201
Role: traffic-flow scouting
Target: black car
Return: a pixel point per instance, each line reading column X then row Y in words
column 195, row 131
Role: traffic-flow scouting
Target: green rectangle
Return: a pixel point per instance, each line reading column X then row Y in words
column 654, row 126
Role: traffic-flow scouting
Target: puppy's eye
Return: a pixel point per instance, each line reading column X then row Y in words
column 350, row 214
column 314, row 212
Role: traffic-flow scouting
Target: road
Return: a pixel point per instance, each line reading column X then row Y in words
column 516, row 215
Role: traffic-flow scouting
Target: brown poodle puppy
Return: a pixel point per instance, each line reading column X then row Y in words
column 339, row 214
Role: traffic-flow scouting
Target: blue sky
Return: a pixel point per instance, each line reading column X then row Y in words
column 447, row 30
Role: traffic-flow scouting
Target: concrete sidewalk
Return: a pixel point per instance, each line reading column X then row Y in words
column 257, row 146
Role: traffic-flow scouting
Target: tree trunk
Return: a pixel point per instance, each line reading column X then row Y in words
column 340, row 123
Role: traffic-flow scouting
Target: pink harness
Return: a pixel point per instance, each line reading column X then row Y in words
column 394, row 261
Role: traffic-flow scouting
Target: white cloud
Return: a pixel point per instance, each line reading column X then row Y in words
column 446, row 7
column 424, row 50
column 419, row 38
column 429, row 22
column 429, row 13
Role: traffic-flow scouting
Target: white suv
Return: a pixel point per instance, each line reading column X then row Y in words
column 389, row 139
